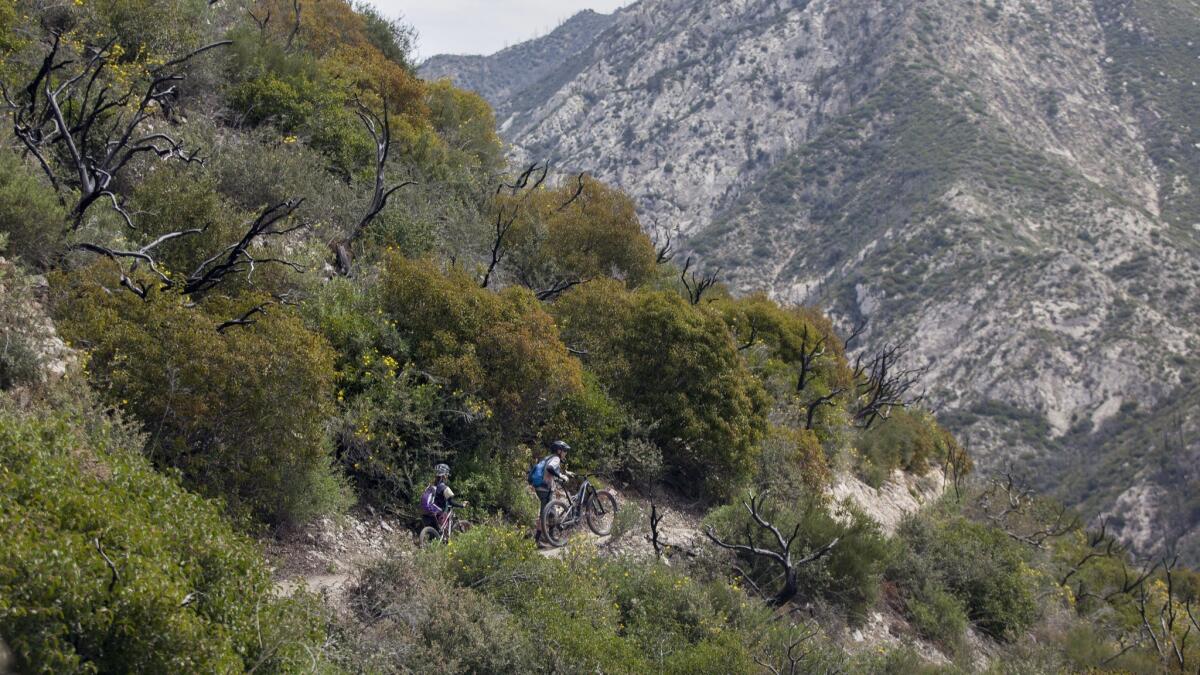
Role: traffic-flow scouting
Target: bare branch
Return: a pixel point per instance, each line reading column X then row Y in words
column 245, row 319
column 812, row 408
column 883, row 385
column 809, row 355
column 578, row 191
column 116, row 576
column 780, row 554
column 296, row 25
column 525, row 185
column 236, row 257
column 82, row 135
column 380, row 129
column 859, row 329
column 664, row 253
column 558, row 288
column 697, row 286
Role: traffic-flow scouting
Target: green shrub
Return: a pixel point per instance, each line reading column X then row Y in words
column 909, row 440
column 241, row 413
column 848, row 576
column 981, row 566
column 577, row 232
column 619, row 615
column 109, row 566
column 793, row 462
column 500, row 349
column 30, row 213
column 409, row 621
column 937, row 614
column 676, row 364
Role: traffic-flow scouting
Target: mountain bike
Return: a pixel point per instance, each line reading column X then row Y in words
column 451, row 526
column 598, row 508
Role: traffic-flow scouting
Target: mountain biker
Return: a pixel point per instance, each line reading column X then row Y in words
column 437, row 498
column 552, row 471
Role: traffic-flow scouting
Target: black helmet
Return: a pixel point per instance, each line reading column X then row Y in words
column 559, row 446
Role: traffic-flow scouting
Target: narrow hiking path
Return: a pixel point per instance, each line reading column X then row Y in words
column 325, row 556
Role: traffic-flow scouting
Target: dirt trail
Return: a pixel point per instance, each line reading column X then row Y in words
column 324, row 557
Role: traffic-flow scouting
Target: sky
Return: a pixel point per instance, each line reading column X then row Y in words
column 484, row 26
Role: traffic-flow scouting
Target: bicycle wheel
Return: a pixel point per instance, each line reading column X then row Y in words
column 601, row 513
column 459, row 527
column 428, row 536
column 554, row 516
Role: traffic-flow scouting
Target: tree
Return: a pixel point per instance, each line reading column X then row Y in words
column 577, row 232
column 777, row 549
column 676, row 366
column 217, row 406
column 502, row 348
column 883, row 385
column 85, row 128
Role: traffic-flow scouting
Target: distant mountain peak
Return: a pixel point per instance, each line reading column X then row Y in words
column 505, row 74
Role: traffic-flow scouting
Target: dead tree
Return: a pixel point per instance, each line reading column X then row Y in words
column 82, row 133
column 664, row 253
column 1170, row 625
column 883, row 385
column 696, row 286
column 1100, row 546
column 808, row 358
column 558, row 288
column 524, row 186
column 655, row 519
column 380, row 129
column 291, row 38
column 777, row 550
column 811, row 409
column 235, row 258
column 1016, row 510
column 859, row 329
column 579, row 186
column 795, row 658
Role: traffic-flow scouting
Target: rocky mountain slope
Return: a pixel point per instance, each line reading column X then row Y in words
column 1015, row 183
column 504, row 75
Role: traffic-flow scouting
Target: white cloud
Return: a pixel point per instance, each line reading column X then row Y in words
column 484, row 26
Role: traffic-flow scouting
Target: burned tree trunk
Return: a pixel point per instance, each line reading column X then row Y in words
column 380, row 129
column 884, row 385
column 696, row 286
column 778, row 549
column 83, row 134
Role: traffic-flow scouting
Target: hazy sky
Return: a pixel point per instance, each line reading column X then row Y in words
column 484, row 26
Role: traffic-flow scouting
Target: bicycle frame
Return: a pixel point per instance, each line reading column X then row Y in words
column 447, row 525
column 575, row 503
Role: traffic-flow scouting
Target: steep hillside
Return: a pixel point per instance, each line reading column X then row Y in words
column 505, row 75
column 1007, row 187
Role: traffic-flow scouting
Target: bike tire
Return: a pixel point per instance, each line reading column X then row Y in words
column 427, row 536
column 601, row 513
column 460, row 526
column 553, row 516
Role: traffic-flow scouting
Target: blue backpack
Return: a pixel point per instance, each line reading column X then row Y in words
column 537, row 474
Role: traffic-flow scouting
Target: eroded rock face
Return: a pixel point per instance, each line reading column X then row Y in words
column 31, row 352
column 1008, row 187
column 902, row 494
